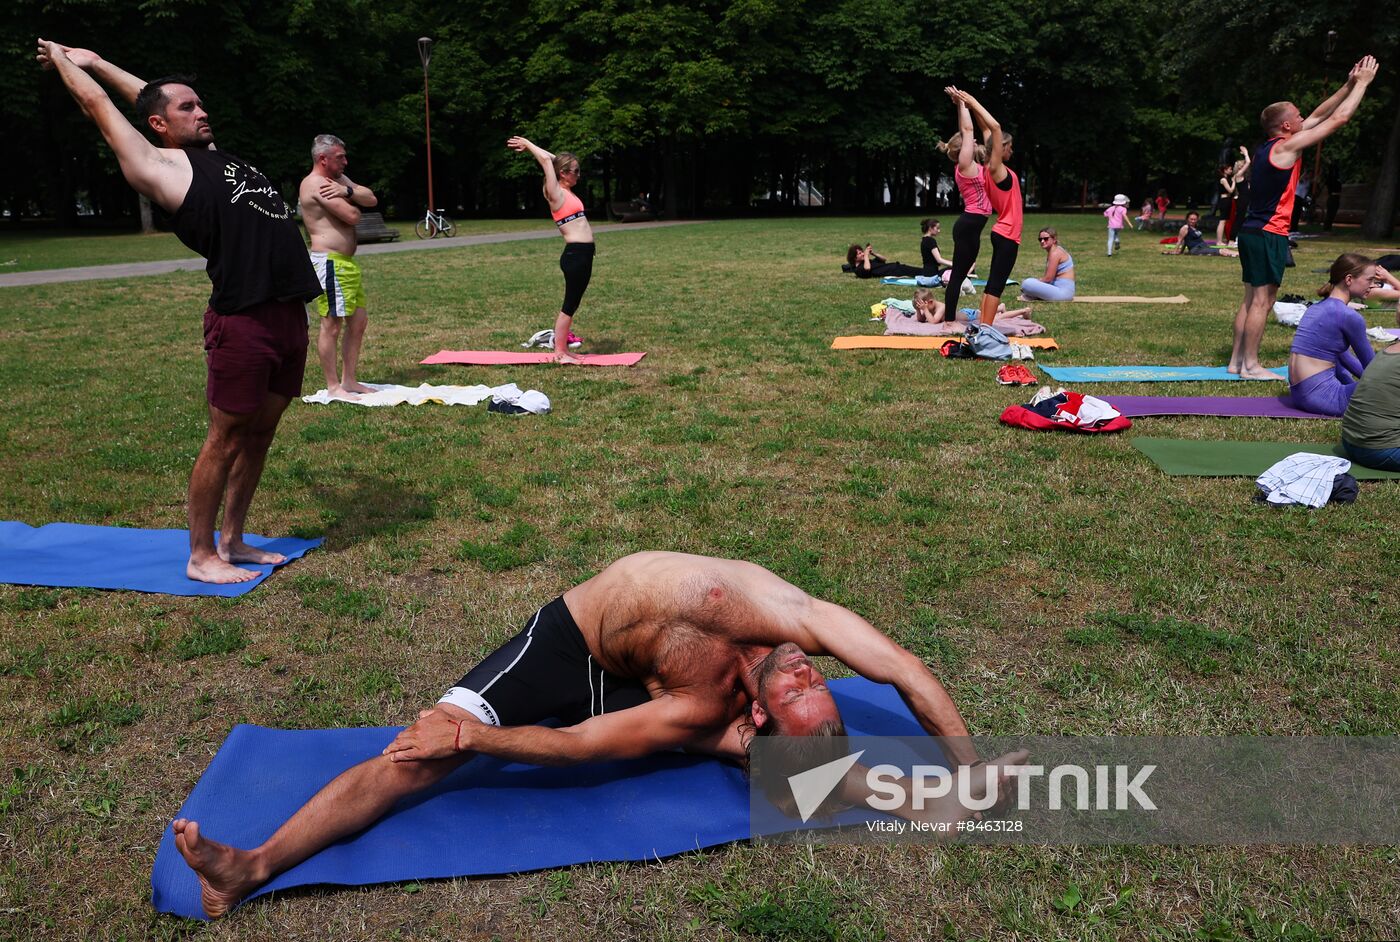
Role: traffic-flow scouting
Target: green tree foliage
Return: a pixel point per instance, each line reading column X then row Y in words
column 713, row 105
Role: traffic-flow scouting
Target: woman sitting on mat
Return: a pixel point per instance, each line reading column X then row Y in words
column 933, row 260
column 560, row 178
column 1331, row 348
column 1058, row 283
column 870, row 264
column 1189, row 240
column 1371, row 425
column 962, row 149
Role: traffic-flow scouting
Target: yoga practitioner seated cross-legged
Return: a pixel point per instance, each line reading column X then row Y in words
column 658, row 651
column 1371, row 425
column 1331, row 348
column 1058, row 283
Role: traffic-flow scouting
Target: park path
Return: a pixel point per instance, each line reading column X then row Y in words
column 133, row 269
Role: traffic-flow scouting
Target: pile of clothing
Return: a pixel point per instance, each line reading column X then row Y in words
column 1066, row 411
column 1308, row 479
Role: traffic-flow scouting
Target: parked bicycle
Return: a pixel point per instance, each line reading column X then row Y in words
column 434, row 224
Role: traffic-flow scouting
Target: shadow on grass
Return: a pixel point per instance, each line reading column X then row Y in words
column 364, row 506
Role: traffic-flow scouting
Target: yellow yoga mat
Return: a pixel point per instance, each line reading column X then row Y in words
column 1128, row 299
column 902, row 342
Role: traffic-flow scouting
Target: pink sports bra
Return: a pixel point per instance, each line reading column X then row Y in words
column 571, row 209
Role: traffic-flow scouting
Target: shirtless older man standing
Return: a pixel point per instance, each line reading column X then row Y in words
column 658, row 651
column 255, row 326
column 330, row 207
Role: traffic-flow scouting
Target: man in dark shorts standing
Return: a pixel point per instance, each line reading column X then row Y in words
column 659, row 651
column 255, row 326
column 1263, row 236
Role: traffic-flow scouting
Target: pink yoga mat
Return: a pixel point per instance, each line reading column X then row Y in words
column 511, row 358
column 1268, row 407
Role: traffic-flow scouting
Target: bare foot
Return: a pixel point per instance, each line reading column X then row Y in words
column 995, row 774
column 565, row 359
column 1233, row 367
column 1260, row 373
column 237, row 551
column 226, row 874
column 217, row 571
column 356, row 387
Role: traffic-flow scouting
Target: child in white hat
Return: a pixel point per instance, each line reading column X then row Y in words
column 1117, row 215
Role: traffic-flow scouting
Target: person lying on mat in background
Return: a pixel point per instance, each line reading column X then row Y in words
column 929, row 310
column 223, row 208
column 1190, row 241
column 933, row 260
column 1386, row 287
column 659, row 651
column 1371, row 424
column 1331, row 349
column 870, row 264
column 1058, row 284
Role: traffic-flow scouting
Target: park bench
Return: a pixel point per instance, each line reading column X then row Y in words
column 627, row 211
column 371, row 228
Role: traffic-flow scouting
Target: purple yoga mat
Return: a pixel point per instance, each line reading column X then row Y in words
column 1269, row 407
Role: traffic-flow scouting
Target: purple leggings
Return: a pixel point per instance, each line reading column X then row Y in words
column 1323, row 393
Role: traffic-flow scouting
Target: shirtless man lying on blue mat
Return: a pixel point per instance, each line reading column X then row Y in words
column 658, row 651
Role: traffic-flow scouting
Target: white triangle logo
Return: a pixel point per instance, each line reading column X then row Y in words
column 811, row 788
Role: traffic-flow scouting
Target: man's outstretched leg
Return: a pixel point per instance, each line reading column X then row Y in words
column 243, row 482
column 222, row 445
column 351, row 802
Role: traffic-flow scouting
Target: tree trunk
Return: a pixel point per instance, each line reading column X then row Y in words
column 147, row 223
column 1380, row 218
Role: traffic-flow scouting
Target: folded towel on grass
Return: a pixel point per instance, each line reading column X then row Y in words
column 390, row 395
column 512, row 358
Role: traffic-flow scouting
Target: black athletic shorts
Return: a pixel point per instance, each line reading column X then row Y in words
column 545, row 672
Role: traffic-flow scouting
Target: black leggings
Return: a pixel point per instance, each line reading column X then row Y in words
column 888, row 270
column 1003, row 260
column 967, row 239
column 577, row 265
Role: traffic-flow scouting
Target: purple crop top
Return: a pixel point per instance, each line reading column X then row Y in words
column 1333, row 332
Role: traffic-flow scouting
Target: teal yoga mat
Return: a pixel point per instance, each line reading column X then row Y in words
column 1191, row 458
column 1148, row 374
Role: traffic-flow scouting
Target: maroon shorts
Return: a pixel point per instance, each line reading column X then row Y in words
column 259, row 350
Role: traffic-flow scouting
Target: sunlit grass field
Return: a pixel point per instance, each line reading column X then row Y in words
column 1056, row 583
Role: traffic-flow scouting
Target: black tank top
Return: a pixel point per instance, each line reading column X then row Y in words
column 236, row 219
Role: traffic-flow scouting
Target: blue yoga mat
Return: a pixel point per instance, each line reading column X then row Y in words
column 488, row 817
column 73, row 554
column 911, row 283
column 1147, row 374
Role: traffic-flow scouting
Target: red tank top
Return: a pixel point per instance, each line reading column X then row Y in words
column 1007, row 204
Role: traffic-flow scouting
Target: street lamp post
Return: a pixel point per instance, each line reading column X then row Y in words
column 425, row 52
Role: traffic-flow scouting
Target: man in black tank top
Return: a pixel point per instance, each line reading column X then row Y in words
column 255, row 326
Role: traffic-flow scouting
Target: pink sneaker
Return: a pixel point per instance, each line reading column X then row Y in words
column 575, row 341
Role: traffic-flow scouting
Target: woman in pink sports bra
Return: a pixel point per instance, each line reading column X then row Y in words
column 962, row 148
column 560, row 178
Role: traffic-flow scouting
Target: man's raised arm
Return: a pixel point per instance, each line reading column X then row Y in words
column 843, row 634
column 1339, row 114
column 114, row 77
column 148, row 171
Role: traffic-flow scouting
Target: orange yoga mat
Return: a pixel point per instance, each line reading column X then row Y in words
column 901, row 342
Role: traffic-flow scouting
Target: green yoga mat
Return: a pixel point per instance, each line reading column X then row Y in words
column 1208, row 459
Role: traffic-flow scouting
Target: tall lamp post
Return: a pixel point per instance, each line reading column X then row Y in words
column 425, row 52
column 1317, row 154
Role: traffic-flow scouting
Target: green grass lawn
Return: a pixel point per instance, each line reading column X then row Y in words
column 34, row 251
column 1056, row 583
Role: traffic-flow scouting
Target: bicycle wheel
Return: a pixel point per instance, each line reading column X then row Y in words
column 446, row 227
column 425, row 229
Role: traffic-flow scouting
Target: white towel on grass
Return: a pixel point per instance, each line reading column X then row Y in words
column 390, row 395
